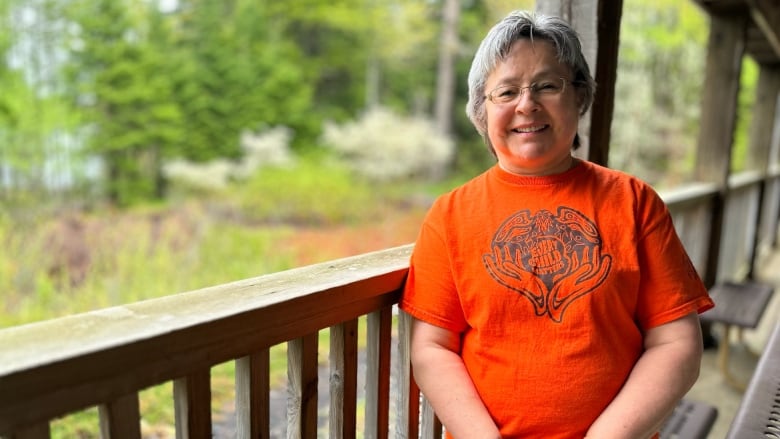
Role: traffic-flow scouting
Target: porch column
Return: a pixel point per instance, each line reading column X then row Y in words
column 725, row 49
column 598, row 24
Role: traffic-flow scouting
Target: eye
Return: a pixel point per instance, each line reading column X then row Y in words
column 505, row 93
column 547, row 86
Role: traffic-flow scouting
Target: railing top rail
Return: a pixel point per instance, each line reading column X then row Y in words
column 121, row 349
column 745, row 179
column 688, row 193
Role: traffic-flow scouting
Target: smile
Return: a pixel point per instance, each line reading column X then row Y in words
column 533, row 129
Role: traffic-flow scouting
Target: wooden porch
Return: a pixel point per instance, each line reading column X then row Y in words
column 729, row 224
column 104, row 358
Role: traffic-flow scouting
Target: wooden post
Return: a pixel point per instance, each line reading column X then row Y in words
column 762, row 131
column 725, row 49
column 764, row 113
column 598, row 24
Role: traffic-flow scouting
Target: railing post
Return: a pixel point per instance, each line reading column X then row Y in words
column 192, row 402
column 253, row 418
column 302, row 387
column 343, row 380
column 121, row 419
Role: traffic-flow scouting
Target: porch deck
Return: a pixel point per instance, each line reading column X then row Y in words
column 711, row 387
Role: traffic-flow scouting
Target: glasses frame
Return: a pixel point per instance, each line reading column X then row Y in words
column 532, row 88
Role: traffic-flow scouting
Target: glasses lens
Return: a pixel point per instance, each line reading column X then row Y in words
column 540, row 90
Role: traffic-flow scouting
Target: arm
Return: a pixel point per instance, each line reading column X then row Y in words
column 443, row 379
column 666, row 370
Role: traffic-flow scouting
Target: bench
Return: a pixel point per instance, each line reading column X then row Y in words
column 758, row 415
column 690, row 420
column 740, row 305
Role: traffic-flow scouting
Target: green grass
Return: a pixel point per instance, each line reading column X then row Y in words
column 166, row 248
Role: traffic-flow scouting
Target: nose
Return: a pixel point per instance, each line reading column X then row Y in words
column 526, row 102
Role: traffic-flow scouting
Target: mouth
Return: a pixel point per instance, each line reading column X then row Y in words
column 529, row 129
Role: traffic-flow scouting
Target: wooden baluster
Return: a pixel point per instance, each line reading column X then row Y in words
column 378, row 373
column 343, row 380
column 121, row 418
column 408, row 393
column 253, row 418
column 302, row 387
column 430, row 424
column 192, row 402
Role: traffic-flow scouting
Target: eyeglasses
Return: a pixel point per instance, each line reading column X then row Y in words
column 543, row 90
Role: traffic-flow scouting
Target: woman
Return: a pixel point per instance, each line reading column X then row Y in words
column 552, row 297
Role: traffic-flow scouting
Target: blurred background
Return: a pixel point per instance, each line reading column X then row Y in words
column 149, row 147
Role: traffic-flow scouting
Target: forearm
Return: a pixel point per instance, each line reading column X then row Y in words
column 661, row 377
column 443, row 379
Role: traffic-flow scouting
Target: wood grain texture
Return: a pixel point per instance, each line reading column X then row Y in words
column 121, row 418
column 51, row 368
column 253, row 419
column 343, row 380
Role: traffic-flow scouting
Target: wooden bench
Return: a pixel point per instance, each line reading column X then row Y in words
column 740, row 305
column 758, row 415
column 690, row 420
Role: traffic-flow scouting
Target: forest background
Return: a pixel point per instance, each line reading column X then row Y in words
column 149, row 147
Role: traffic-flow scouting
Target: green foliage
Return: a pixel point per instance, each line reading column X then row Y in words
column 747, row 95
column 660, row 65
column 313, row 191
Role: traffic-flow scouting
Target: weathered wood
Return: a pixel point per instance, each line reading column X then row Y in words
column 582, row 15
column 135, row 346
column 192, row 403
column 764, row 122
column 430, row 426
column 766, row 15
column 37, row 431
column 605, row 72
column 302, row 381
column 253, row 419
column 725, row 49
column 757, row 415
column 378, row 373
column 407, row 395
column 343, row 380
column 121, row 418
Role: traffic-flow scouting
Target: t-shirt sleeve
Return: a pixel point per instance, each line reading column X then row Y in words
column 430, row 293
column 670, row 287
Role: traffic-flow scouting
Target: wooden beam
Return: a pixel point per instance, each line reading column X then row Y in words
column 766, row 15
column 598, row 24
column 608, row 28
column 725, row 49
column 763, row 126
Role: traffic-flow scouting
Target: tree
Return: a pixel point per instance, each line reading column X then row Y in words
column 129, row 116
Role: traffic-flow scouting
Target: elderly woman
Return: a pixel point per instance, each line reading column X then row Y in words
column 551, row 297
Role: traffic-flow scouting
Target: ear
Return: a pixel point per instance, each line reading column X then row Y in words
column 581, row 100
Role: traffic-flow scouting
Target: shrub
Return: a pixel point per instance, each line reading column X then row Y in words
column 385, row 146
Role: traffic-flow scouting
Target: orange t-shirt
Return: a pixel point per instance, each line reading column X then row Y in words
column 552, row 282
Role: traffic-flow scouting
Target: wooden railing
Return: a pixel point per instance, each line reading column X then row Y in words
column 105, row 358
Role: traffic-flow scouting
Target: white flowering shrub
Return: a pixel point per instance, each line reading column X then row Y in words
column 383, row 146
column 213, row 175
column 269, row 148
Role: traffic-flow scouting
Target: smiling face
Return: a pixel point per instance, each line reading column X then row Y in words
column 532, row 135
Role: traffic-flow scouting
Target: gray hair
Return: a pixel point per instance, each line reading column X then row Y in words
column 495, row 48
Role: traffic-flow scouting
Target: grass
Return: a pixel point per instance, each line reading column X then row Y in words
column 280, row 219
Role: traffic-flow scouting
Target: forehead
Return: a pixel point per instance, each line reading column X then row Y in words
column 526, row 61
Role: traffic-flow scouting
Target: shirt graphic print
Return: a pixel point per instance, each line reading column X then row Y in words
column 552, row 259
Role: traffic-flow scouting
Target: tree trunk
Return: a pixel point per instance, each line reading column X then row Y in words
column 445, row 80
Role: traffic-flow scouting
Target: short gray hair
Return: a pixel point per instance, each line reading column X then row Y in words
column 495, row 48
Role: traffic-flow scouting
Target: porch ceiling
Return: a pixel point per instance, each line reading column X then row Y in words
column 763, row 35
